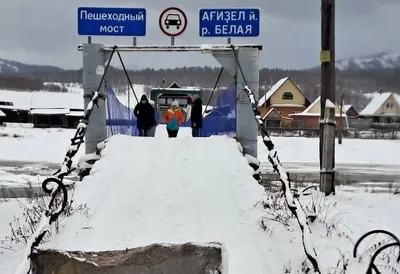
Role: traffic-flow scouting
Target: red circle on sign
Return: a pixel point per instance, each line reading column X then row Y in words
column 161, row 25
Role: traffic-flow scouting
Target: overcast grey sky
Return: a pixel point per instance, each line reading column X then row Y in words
column 45, row 31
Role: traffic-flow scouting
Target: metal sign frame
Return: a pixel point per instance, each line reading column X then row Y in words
column 185, row 48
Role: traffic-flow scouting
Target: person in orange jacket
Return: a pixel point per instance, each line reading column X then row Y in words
column 173, row 117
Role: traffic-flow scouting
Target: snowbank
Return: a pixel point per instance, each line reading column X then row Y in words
column 156, row 190
column 9, row 251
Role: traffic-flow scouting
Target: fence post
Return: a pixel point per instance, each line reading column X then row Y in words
column 340, row 139
column 327, row 173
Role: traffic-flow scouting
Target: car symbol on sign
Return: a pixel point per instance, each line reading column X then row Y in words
column 173, row 20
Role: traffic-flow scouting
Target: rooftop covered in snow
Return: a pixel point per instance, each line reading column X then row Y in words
column 315, row 110
column 378, row 101
column 41, row 99
column 271, row 91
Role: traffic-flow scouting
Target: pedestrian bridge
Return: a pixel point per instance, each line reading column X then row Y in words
column 146, row 191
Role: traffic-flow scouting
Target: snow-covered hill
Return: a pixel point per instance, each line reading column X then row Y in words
column 5, row 67
column 378, row 61
column 9, row 67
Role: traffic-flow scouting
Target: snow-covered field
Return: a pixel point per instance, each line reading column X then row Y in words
column 27, row 144
column 34, row 144
column 352, row 151
column 49, row 145
column 144, row 200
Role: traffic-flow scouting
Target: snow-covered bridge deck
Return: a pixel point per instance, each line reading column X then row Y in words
column 159, row 190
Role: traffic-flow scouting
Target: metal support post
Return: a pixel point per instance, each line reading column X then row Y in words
column 93, row 69
column 246, row 126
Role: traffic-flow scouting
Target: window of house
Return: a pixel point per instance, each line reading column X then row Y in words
column 287, row 96
column 389, row 105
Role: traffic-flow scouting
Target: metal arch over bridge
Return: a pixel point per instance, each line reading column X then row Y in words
column 206, row 48
column 241, row 62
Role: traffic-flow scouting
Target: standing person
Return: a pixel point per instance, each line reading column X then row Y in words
column 152, row 131
column 173, row 117
column 196, row 116
column 144, row 113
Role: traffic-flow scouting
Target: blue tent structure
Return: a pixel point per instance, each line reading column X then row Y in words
column 221, row 120
column 119, row 118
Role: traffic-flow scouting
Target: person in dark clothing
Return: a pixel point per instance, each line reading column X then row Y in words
column 144, row 113
column 196, row 117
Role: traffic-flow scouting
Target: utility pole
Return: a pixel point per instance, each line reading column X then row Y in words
column 340, row 139
column 328, row 89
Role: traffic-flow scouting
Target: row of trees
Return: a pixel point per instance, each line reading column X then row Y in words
column 352, row 83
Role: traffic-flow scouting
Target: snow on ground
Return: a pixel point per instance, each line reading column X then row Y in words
column 34, row 144
column 49, row 145
column 352, row 151
column 164, row 197
column 9, row 179
column 70, row 87
column 9, row 251
column 158, row 192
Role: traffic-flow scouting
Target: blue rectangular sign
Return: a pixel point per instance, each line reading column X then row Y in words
column 112, row 21
column 229, row 22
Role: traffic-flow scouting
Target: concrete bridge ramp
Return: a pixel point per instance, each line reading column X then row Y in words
column 156, row 191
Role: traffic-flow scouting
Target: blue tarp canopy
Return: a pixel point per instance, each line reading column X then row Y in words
column 221, row 120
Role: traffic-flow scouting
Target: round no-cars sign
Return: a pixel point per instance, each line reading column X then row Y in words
column 172, row 21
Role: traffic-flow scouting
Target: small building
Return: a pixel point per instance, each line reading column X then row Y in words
column 163, row 97
column 350, row 111
column 43, row 109
column 14, row 114
column 286, row 98
column 56, row 109
column 56, row 117
column 273, row 119
column 2, row 117
column 310, row 117
column 383, row 109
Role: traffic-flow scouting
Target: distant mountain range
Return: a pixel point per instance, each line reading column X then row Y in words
column 378, row 61
column 8, row 67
